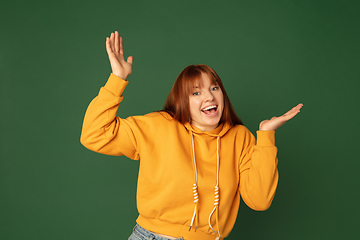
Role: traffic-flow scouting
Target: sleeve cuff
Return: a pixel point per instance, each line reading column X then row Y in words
column 116, row 85
column 265, row 138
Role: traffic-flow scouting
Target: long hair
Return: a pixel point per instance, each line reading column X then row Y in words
column 177, row 102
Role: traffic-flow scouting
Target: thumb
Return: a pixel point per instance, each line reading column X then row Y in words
column 130, row 59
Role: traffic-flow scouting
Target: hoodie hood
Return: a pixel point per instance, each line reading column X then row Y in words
column 220, row 131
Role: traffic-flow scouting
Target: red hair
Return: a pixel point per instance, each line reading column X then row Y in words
column 177, row 102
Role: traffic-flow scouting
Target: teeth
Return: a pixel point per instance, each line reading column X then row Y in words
column 208, row 108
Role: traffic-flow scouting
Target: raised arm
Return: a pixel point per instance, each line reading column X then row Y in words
column 102, row 130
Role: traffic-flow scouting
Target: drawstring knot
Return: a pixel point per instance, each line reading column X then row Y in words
column 217, row 196
column 196, row 196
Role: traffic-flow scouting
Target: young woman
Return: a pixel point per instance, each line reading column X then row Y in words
column 196, row 157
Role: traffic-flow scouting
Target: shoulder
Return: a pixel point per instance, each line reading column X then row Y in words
column 241, row 133
column 159, row 115
column 154, row 125
column 241, row 129
column 159, row 118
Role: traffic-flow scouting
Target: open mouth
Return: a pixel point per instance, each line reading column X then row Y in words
column 210, row 109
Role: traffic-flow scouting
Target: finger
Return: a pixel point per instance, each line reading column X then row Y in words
column 108, row 47
column 299, row 106
column 117, row 42
column 112, row 38
column 290, row 111
column 130, row 59
column 291, row 114
column 121, row 46
column 294, row 109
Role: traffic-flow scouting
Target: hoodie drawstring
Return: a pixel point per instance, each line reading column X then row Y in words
column 217, row 195
column 195, row 192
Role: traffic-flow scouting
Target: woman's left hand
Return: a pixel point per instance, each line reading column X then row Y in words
column 276, row 122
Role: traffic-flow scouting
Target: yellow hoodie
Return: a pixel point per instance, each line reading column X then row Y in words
column 176, row 159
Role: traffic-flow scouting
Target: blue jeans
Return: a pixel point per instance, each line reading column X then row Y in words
column 140, row 233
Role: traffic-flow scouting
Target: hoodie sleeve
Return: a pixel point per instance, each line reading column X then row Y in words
column 258, row 170
column 102, row 130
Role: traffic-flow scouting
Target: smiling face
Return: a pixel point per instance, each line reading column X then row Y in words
column 206, row 104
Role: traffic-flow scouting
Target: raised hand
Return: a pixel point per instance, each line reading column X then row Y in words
column 114, row 48
column 276, row 122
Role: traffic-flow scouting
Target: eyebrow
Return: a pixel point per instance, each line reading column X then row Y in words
column 212, row 84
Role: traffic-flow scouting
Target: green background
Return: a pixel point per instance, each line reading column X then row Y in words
column 271, row 55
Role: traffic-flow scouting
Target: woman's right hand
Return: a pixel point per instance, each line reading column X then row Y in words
column 114, row 48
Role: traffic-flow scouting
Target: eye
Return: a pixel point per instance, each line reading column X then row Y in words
column 214, row 88
column 196, row 93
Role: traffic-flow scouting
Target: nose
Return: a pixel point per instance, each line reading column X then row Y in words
column 209, row 96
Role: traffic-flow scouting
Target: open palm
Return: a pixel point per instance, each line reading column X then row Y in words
column 276, row 122
column 114, row 48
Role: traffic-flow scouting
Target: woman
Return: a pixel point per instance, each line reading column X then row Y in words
column 196, row 156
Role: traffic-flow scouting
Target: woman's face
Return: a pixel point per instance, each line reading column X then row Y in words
column 206, row 104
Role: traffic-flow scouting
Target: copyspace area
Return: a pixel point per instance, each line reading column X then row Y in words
column 270, row 55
